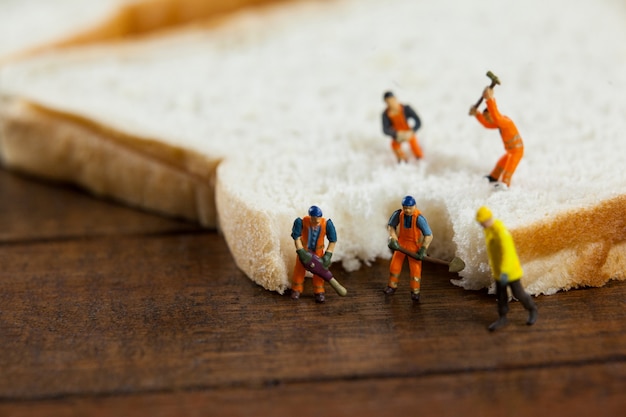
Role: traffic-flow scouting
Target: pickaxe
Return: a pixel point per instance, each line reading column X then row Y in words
column 455, row 265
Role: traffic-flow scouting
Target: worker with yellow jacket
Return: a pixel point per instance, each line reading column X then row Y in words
column 505, row 267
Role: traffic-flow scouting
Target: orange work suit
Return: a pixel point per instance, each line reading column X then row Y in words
column 410, row 239
column 399, row 123
column 506, row 165
column 298, row 270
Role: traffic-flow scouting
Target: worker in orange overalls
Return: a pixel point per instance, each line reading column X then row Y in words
column 396, row 124
column 308, row 234
column 492, row 119
column 410, row 230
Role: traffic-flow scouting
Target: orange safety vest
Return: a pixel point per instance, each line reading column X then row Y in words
column 306, row 225
column 398, row 121
column 410, row 235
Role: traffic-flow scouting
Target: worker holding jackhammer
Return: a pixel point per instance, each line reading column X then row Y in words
column 408, row 232
column 309, row 234
column 492, row 119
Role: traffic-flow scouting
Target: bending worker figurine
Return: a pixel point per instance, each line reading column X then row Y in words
column 492, row 119
column 311, row 231
column 505, row 267
column 396, row 124
column 409, row 234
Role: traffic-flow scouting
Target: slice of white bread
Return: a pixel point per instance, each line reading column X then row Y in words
column 31, row 26
column 288, row 103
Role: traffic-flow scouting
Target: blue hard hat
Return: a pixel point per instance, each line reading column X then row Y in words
column 315, row 211
column 408, row 201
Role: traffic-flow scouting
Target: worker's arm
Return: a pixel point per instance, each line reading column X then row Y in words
column 296, row 233
column 427, row 234
column 426, row 241
column 393, row 223
column 331, row 235
column 492, row 107
column 392, row 233
column 409, row 113
column 387, row 127
column 484, row 122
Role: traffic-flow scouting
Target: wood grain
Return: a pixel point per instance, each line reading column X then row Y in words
column 105, row 310
column 38, row 211
column 554, row 391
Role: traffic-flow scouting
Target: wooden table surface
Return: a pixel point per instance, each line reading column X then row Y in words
column 105, row 310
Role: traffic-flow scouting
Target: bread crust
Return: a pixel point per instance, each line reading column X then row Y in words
column 255, row 238
column 143, row 17
column 589, row 246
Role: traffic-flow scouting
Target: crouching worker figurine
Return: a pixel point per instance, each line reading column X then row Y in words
column 409, row 235
column 505, row 267
column 308, row 234
column 396, row 119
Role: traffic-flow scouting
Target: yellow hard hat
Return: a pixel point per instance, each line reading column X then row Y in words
column 483, row 214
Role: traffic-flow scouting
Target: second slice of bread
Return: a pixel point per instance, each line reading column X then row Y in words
column 28, row 27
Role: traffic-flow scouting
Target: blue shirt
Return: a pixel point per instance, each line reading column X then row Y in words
column 422, row 224
column 296, row 232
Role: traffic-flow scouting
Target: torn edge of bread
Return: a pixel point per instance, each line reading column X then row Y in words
column 141, row 172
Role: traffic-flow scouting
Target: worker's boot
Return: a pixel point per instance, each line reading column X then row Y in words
column 532, row 316
column 499, row 186
column 320, row 297
column 389, row 290
column 415, row 296
column 295, row 294
column 497, row 324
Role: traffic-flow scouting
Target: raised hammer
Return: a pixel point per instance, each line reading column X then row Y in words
column 494, row 80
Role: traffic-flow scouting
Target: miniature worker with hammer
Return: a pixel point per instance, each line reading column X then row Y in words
column 492, row 119
column 409, row 233
column 505, row 267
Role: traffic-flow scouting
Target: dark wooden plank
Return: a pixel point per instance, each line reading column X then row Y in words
column 107, row 310
column 132, row 314
column 32, row 210
column 581, row 391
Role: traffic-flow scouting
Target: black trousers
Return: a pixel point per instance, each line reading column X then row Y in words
column 518, row 292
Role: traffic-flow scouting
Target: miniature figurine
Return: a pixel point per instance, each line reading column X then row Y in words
column 396, row 125
column 409, row 234
column 492, row 119
column 505, row 267
column 311, row 231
